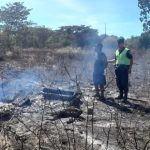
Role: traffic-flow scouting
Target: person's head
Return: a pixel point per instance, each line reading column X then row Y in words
column 98, row 48
column 120, row 42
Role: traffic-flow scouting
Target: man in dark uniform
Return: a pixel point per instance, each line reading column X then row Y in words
column 123, row 62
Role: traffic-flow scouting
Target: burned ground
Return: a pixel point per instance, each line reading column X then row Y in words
column 31, row 121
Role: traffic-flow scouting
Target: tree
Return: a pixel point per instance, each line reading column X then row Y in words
column 86, row 36
column 144, row 5
column 77, row 36
column 144, row 40
column 133, row 43
column 33, row 37
column 13, row 18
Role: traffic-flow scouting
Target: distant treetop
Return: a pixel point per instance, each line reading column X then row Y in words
column 144, row 5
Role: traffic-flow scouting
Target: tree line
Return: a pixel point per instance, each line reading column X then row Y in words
column 17, row 31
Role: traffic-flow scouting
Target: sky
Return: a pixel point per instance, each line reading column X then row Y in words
column 121, row 17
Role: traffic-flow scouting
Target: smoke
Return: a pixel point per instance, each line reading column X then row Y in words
column 109, row 46
column 31, row 81
column 65, row 73
column 19, row 83
column 80, row 69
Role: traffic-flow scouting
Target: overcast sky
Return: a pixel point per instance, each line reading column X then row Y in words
column 120, row 16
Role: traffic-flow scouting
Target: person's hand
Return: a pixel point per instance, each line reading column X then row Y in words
column 111, row 61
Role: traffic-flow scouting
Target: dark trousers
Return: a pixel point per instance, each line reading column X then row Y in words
column 122, row 80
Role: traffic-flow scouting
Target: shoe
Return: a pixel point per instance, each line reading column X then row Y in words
column 125, row 97
column 119, row 97
column 125, row 101
column 102, row 98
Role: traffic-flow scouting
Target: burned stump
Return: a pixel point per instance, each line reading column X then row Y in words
column 68, row 112
column 5, row 115
column 74, row 98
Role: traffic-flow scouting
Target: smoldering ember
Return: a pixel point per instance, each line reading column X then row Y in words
column 47, row 103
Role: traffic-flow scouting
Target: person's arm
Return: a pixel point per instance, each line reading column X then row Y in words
column 130, row 67
column 111, row 61
column 105, row 61
column 129, row 55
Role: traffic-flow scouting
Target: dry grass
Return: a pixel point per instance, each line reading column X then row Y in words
column 108, row 127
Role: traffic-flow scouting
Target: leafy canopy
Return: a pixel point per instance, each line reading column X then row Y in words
column 13, row 16
column 144, row 5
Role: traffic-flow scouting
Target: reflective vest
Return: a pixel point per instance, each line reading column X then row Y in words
column 122, row 59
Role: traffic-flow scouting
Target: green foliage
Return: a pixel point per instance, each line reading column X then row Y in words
column 133, row 43
column 144, row 40
column 144, row 5
column 33, row 37
column 13, row 16
column 18, row 32
column 13, row 19
column 139, row 42
column 84, row 35
column 77, row 36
